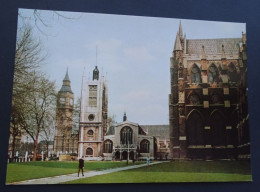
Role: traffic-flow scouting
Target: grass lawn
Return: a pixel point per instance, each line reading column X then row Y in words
column 38, row 169
column 187, row 171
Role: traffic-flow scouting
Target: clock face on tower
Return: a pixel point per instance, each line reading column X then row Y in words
column 71, row 102
column 62, row 100
column 91, row 117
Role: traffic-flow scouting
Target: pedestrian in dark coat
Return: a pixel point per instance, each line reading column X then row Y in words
column 81, row 166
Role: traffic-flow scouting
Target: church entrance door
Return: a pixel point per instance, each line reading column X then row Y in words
column 117, row 156
column 131, row 155
column 124, row 155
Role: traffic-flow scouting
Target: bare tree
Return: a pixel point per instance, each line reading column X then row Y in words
column 76, row 116
column 27, row 59
column 40, row 21
column 33, row 94
column 40, row 100
column 15, row 130
column 111, row 120
column 48, row 128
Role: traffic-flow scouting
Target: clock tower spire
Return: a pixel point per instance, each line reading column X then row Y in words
column 64, row 112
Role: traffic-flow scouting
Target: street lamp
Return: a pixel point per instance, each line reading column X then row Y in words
column 26, row 153
column 27, row 143
column 127, row 152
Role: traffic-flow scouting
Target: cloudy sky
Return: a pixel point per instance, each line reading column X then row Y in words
column 133, row 53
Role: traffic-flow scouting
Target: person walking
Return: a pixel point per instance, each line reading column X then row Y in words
column 148, row 160
column 166, row 156
column 81, row 166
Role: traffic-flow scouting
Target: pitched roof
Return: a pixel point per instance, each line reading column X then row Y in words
column 65, row 88
column 66, row 78
column 213, row 46
column 161, row 131
column 126, row 122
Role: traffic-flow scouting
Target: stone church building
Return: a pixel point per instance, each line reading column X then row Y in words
column 208, row 111
column 122, row 141
column 127, row 140
column 208, row 100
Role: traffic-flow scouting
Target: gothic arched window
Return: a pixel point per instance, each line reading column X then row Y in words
column 89, row 151
column 181, row 71
column 90, row 133
column 195, row 129
column 213, row 73
column 195, row 75
column 126, row 135
column 218, row 129
column 108, row 146
column 215, row 99
column 194, row 99
column 232, row 73
column 144, row 146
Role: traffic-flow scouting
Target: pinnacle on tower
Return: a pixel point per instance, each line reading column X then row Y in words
column 124, row 118
column 223, row 55
column 177, row 45
column 184, row 44
column 243, row 38
column 66, row 78
column 66, row 83
column 180, row 31
column 95, row 73
column 203, row 55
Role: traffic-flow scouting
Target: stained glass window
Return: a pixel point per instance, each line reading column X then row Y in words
column 195, row 74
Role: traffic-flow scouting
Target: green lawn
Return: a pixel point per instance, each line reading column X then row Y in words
column 38, row 169
column 187, row 171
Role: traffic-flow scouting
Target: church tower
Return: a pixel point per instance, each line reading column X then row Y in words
column 177, row 78
column 64, row 112
column 93, row 116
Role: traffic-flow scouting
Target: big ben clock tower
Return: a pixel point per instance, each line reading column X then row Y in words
column 64, row 112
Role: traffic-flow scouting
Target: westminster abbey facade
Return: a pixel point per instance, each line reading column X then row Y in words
column 208, row 111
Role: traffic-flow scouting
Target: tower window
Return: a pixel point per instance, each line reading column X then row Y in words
column 91, row 117
column 90, row 133
column 92, row 95
column 89, row 152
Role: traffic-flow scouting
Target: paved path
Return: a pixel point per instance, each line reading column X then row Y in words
column 74, row 176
